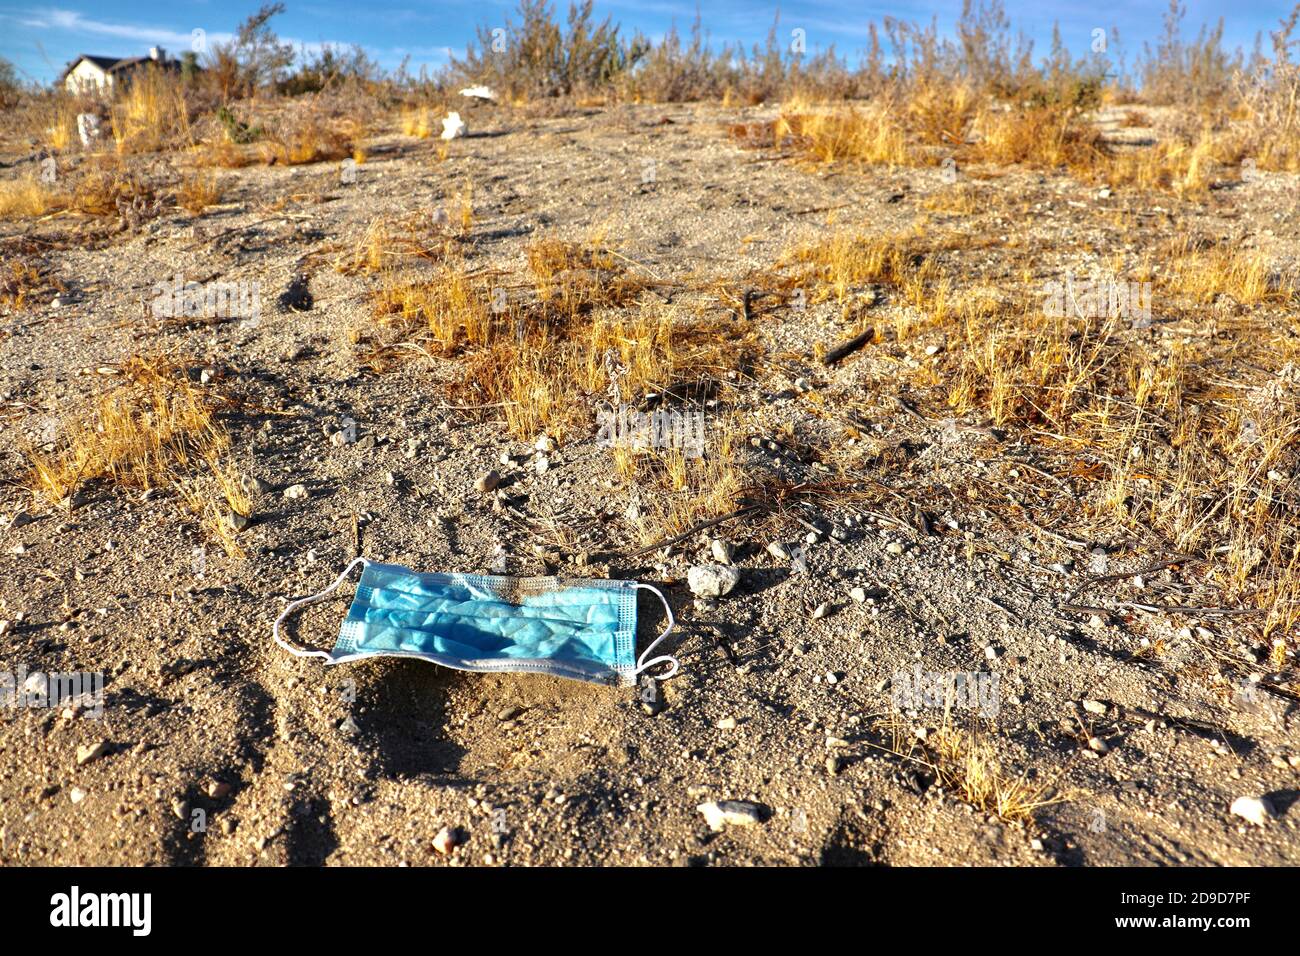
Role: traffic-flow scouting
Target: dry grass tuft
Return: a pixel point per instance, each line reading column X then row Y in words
column 871, row 135
column 1043, row 136
column 28, row 197
column 22, row 283
column 155, row 430
column 967, row 765
column 197, row 191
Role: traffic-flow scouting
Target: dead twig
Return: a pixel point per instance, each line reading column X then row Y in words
column 845, row 349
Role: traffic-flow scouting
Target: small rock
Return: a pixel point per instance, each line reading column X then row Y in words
column 509, row 713
column 217, row 789
column 488, row 482
column 737, row 813
column 1256, row 810
column 722, row 550
column 235, row 521
column 727, row 723
column 545, row 444
column 88, row 752
column 180, row 809
column 1094, row 707
column 833, row 765
column 894, row 547
column 712, row 580
column 858, row 594
column 779, row 551
column 254, row 485
column 294, row 492
column 1097, row 744
column 76, row 794
column 820, row 611
column 448, row 839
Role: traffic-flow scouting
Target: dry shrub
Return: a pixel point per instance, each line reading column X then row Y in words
column 308, row 136
column 940, row 113
column 110, row 189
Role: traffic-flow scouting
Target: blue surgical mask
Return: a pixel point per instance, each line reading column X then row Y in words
column 584, row 629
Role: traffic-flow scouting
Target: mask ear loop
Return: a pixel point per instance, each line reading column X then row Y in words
column 311, row 599
column 641, row 662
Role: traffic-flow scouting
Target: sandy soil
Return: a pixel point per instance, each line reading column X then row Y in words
column 292, row 762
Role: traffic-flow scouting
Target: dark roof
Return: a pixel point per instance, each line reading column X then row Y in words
column 117, row 64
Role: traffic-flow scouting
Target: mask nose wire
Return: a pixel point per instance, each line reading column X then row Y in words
column 641, row 662
column 311, row 599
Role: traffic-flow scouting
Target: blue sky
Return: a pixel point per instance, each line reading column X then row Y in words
column 39, row 38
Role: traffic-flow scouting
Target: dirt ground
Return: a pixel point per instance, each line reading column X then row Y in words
column 294, row 762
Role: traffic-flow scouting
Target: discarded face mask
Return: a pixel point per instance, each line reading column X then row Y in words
column 583, row 629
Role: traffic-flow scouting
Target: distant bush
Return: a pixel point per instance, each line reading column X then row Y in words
column 1188, row 74
column 541, row 57
column 11, row 89
column 332, row 66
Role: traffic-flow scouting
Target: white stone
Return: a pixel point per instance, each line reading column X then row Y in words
column 1257, row 810
column 712, row 580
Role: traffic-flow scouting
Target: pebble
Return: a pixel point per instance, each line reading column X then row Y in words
column 720, row 814
column 722, row 550
column 858, row 594
column 894, row 547
column 1256, row 810
column 76, row 794
column 727, row 723
column 1094, row 707
column 448, row 839
column 820, row 611
column 254, row 485
column 181, row 809
column 779, row 551
column 294, row 492
column 712, row 580
column 236, row 522
column 509, row 713
column 88, row 752
column 488, row 482
column 216, row 789
column 545, row 443
column 1097, row 744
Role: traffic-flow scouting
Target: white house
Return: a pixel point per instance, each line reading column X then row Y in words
column 100, row 74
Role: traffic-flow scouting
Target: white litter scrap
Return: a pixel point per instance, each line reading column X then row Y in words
column 453, row 127
column 87, row 128
column 479, row 93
